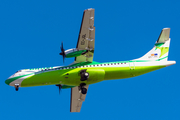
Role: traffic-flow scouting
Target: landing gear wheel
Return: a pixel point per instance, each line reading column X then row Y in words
column 83, row 90
column 82, row 85
column 84, row 75
column 17, row 88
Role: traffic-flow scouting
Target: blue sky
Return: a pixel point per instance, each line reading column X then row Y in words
column 31, row 33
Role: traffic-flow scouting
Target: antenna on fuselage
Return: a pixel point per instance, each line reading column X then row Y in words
column 59, row 86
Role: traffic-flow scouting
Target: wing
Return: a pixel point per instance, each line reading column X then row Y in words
column 77, row 99
column 86, row 37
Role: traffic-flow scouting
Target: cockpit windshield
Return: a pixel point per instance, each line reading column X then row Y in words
column 16, row 74
column 18, row 71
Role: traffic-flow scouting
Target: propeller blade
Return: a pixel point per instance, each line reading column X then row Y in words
column 62, row 51
column 63, row 58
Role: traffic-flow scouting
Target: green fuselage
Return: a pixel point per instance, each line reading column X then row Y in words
column 70, row 75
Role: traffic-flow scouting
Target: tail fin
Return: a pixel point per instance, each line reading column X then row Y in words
column 161, row 48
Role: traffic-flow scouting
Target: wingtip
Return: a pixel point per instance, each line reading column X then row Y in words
column 89, row 9
column 166, row 28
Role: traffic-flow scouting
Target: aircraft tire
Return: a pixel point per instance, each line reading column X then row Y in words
column 84, row 76
column 17, row 88
column 83, row 90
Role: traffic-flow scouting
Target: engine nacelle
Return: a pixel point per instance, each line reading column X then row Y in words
column 74, row 52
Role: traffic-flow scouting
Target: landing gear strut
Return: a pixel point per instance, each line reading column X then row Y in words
column 84, row 75
column 82, row 88
column 16, row 87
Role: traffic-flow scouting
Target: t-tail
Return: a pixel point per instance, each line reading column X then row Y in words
column 161, row 48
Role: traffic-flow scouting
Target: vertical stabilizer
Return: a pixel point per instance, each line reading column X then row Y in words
column 161, row 48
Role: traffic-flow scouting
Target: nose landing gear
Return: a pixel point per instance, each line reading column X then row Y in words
column 16, row 87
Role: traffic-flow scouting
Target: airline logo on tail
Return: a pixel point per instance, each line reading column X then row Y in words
column 154, row 55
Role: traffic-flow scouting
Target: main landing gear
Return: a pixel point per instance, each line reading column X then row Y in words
column 82, row 88
column 84, row 75
column 16, row 87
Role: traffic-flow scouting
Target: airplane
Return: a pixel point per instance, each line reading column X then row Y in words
column 84, row 71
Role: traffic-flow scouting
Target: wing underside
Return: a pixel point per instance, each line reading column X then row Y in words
column 86, row 37
column 85, row 42
column 77, row 98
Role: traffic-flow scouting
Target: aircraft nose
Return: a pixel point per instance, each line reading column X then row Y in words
column 7, row 82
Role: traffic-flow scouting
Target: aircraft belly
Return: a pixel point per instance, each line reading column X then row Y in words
column 44, row 78
column 66, row 77
column 117, row 73
column 96, row 74
column 73, row 77
column 127, row 72
column 139, row 70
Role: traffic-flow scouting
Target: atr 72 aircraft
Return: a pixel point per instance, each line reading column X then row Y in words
column 84, row 71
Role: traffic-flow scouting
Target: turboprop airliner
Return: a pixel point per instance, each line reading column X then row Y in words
column 84, row 71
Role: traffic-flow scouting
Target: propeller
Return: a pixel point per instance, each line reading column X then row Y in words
column 59, row 86
column 62, row 51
